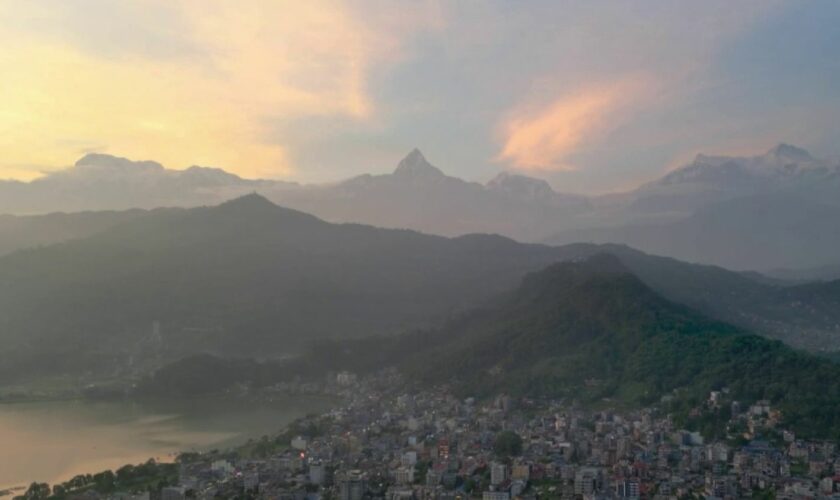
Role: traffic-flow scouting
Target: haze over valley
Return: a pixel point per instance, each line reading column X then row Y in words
column 422, row 250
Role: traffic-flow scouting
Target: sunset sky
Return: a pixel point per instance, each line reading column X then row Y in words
column 593, row 96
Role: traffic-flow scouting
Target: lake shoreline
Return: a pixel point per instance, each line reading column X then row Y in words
column 130, row 431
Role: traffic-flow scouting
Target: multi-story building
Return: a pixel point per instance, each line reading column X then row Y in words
column 498, row 473
column 352, row 485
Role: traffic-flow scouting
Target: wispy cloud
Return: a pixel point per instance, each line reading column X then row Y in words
column 323, row 89
column 543, row 138
column 613, row 67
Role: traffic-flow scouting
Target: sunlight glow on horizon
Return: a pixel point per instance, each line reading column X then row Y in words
column 208, row 108
column 589, row 96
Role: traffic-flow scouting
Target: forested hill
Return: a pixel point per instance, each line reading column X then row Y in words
column 592, row 330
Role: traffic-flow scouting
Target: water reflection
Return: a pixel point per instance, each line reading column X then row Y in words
column 54, row 441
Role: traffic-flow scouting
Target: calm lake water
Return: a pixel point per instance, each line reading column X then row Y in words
column 53, row 441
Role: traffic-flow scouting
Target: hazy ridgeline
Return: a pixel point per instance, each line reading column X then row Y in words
column 249, row 278
column 775, row 212
column 191, row 301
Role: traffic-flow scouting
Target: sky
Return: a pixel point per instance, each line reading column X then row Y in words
column 593, row 96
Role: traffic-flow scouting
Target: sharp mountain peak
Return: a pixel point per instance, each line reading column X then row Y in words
column 255, row 207
column 250, row 200
column 415, row 165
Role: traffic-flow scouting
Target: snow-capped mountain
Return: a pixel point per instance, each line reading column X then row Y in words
column 711, row 179
column 742, row 212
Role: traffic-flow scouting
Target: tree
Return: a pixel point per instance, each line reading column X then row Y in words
column 187, row 457
column 37, row 491
column 104, row 481
column 508, row 444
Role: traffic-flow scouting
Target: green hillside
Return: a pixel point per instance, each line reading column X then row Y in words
column 592, row 330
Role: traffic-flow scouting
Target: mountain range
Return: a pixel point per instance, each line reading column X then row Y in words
column 243, row 277
column 250, row 278
column 775, row 211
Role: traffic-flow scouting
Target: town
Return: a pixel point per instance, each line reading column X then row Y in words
column 389, row 442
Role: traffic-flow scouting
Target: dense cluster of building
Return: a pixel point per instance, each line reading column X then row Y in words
column 431, row 445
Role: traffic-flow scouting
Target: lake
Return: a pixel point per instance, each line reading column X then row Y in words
column 53, row 441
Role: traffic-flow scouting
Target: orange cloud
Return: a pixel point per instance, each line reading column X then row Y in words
column 542, row 139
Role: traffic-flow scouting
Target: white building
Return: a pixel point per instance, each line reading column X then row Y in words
column 409, row 458
column 299, row 443
column 346, row 379
column 404, row 475
column 498, row 473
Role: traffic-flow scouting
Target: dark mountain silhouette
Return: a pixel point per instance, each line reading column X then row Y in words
column 252, row 278
column 243, row 277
